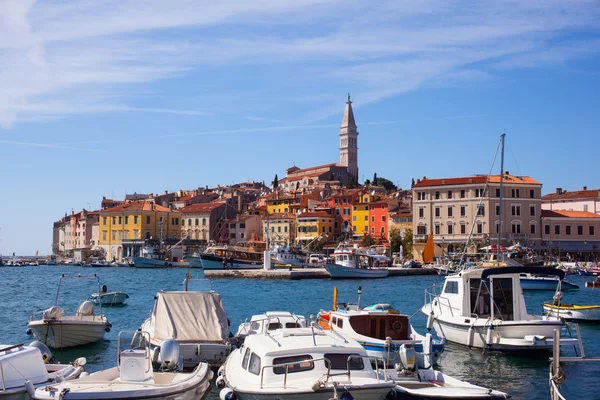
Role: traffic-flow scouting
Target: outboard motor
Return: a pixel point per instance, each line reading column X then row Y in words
column 47, row 355
column 86, row 308
column 169, row 355
column 53, row 313
column 408, row 357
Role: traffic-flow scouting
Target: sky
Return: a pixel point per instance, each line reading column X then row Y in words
column 103, row 98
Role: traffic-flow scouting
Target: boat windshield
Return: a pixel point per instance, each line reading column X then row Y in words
column 480, row 298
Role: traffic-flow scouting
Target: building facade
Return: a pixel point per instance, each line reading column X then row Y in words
column 311, row 225
column 201, row 222
column 244, row 228
column 579, row 200
column 573, row 233
column 280, row 228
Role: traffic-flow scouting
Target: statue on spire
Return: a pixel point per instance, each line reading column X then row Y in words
column 348, row 97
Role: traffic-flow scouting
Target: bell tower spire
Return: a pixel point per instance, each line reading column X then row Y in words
column 349, row 141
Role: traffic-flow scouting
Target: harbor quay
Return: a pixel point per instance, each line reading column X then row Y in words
column 303, row 273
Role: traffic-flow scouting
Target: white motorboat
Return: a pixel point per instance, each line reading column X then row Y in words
column 269, row 321
column 284, row 256
column 574, row 312
column 57, row 330
column 196, row 320
column 301, row 363
column 108, row 298
column 151, row 257
column 134, row 378
column 532, row 281
column 25, row 368
column 485, row 308
column 349, row 262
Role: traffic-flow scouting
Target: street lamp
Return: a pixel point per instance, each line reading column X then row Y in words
column 585, row 250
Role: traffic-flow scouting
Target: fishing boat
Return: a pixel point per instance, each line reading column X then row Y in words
column 532, row 281
column 135, row 378
column 229, row 257
column 574, row 312
column 381, row 330
column 269, row 321
column 57, row 330
column 196, row 320
column 108, row 298
column 485, row 308
column 349, row 262
column 301, row 363
column 25, row 368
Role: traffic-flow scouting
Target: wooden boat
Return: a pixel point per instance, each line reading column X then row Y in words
column 573, row 312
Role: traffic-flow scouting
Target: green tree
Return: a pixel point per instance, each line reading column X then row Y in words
column 275, row 182
column 395, row 240
column 375, row 179
column 386, row 183
column 351, row 183
column 367, row 241
column 316, row 246
column 412, row 183
column 367, row 182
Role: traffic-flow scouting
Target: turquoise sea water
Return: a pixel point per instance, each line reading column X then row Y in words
column 24, row 290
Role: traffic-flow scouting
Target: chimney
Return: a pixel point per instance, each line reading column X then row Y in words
column 585, row 188
column 151, row 206
column 558, row 190
column 166, row 192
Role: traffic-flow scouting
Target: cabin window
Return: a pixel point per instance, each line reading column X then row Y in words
column 340, row 323
column 353, row 362
column 292, row 325
column 334, row 321
column 254, row 366
column 293, row 364
column 451, row 287
column 273, row 326
column 480, row 298
column 246, row 358
column 503, row 297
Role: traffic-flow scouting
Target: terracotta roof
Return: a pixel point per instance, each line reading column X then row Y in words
column 568, row 214
column 138, row 206
column 577, row 194
column 314, row 214
column 476, row 179
column 187, row 197
column 201, row 207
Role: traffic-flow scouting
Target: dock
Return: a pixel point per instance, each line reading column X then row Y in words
column 300, row 273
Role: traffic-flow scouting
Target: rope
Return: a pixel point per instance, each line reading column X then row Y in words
column 559, row 378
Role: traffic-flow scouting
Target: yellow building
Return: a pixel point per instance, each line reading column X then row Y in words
column 360, row 214
column 280, row 227
column 124, row 229
column 281, row 204
column 310, row 225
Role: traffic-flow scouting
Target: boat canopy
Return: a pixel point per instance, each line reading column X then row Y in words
column 523, row 270
column 190, row 317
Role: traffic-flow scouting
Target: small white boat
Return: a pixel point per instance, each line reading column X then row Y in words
column 532, row 281
column 134, row 378
column 301, row 364
column 108, row 298
column 573, row 312
column 269, row 321
column 57, row 330
column 349, row 262
column 25, row 368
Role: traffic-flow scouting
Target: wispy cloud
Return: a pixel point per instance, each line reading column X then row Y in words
column 51, row 146
column 56, row 55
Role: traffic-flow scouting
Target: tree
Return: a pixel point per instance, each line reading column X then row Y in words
column 316, row 246
column 367, row 241
column 375, row 179
column 275, row 182
column 395, row 240
column 386, row 183
column 412, row 183
column 367, row 182
column 351, row 183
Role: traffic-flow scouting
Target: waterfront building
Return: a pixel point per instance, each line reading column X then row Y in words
column 125, row 229
column 378, row 219
column 341, row 204
column 312, row 224
column 280, row 228
column 401, row 220
column 74, row 235
column 577, row 200
column 243, row 228
column 454, row 208
column 200, row 221
column 360, row 215
column 187, row 198
column 289, row 203
column 572, row 233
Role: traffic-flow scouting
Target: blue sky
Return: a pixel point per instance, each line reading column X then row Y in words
column 100, row 98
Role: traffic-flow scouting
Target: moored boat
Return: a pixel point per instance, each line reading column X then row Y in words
column 349, row 262
column 269, row 321
column 574, row 312
column 227, row 257
column 532, row 281
column 108, row 298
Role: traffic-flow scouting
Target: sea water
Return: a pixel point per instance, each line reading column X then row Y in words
column 24, row 290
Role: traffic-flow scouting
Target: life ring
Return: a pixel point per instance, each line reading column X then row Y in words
column 396, row 325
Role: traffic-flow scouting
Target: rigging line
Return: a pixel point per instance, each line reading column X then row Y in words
column 515, row 159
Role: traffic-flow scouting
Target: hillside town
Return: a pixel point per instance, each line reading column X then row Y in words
column 316, row 208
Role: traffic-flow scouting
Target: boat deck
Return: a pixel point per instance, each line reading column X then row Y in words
column 301, row 273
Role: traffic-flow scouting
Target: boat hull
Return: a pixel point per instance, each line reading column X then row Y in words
column 366, row 393
column 195, row 262
column 210, row 261
column 379, row 350
column 573, row 312
column 143, row 262
column 109, row 298
column 60, row 334
column 545, row 284
column 337, row 271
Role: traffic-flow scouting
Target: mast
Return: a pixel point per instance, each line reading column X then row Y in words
column 501, row 194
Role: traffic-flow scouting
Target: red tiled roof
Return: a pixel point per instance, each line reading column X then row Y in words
column 138, row 206
column 476, row 179
column 201, row 207
column 568, row 214
column 577, row 194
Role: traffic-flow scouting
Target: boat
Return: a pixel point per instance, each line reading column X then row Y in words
column 153, row 257
column 349, row 262
column 301, row 363
column 196, row 320
column 380, row 329
column 485, row 308
column 108, row 298
column 25, row 368
column 574, row 312
column 532, row 281
column 57, row 330
column 229, row 257
column 285, row 256
column 269, row 321
column 135, row 378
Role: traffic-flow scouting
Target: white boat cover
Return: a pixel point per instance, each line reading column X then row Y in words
column 190, row 317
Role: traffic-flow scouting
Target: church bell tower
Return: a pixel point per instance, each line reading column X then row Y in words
column 349, row 141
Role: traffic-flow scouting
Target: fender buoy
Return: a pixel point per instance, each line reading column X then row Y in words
column 227, row 394
column 220, row 382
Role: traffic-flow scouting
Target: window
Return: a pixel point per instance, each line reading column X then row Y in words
column 354, row 228
column 103, row 220
column 532, row 194
column 136, row 234
column 204, row 222
column 546, row 229
column 383, row 218
column 366, row 208
column 337, row 211
column 293, row 364
column 462, row 194
column 516, row 210
column 242, row 225
column 354, row 218
column 254, row 366
column 437, row 195
column 367, row 218
column 580, row 230
column 353, row 208
column 463, row 229
column 182, row 222
column 135, row 219
column 451, row 287
column 585, row 207
column 568, row 229
column 532, row 211
column 120, row 235
column 515, row 193
column 437, row 229
column 242, row 235
column 591, row 229
column 449, row 194
column 114, row 235
column 437, row 212
column 246, row 359
column 346, row 211
column 366, row 228
column 449, row 211
column 126, row 233
column 147, row 234
column 231, row 235
column 498, row 192
column 557, row 229
column 147, row 219
column 353, row 362
column 104, row 235
column 372, row 230
column 481, row 210
column 372, row 218
column 421, row 230
column 479, row 192
column 516, row 228
column 421, row 212
column 497, row 209
column 450, row 229
column 120, row 220
column 479, row 228
column 463, row 211
column 114, row 220
column 532, row 229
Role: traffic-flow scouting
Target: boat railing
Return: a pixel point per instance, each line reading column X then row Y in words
column 333, row 331
column 431, row 296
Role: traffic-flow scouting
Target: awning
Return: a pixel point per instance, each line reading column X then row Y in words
column 523, row 270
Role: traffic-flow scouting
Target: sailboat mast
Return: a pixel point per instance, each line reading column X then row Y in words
column 500, row 198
